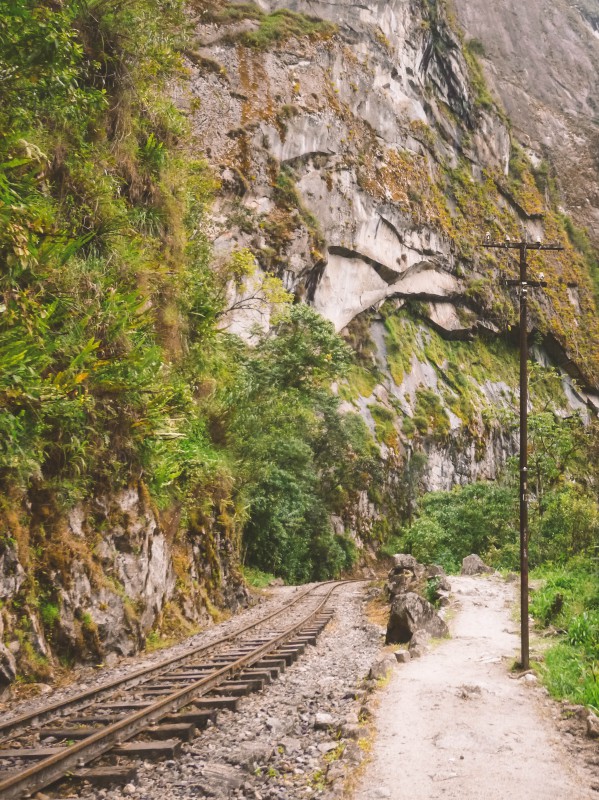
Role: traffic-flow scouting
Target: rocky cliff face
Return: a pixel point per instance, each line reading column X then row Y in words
column 100, row 581
column 366, row 161
column 542, row 59
column 362, row 159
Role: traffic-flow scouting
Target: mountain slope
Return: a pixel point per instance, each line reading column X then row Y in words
column 542, row 60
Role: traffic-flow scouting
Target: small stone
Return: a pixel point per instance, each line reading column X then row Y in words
column 402, row 656
column 326, row 747
column 129, row 789
column 290, row 744
column 381, row 668
column 444, row 598
column 250, row 754
column 593, row 726
column 111, row 659
column 420, row 639
column 335, row 771
column 569, row 710
column 323, row 721
column 530, row 678
column 474, row 565
column 351, row 731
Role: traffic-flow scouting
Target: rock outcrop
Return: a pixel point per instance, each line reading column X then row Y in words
column 104, row 578
column 474, row 565
column 411, row 613
column 542, row 60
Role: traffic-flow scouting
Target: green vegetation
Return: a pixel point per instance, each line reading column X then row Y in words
column 580, row 240
column 474, row 49
column 483, row 517
column 564, row 541
column 114, row 369
column 401, row 343
column 384, row 421
column 273, row 29
column 283, row 25
column 429, row 415
column 569, row 601
column 257, row 578
column 478, row 518
column 301, row 460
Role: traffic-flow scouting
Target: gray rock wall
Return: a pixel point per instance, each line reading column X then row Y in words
column 93, row 583
column 342, row 160
column 542, row 59
column 346, row 119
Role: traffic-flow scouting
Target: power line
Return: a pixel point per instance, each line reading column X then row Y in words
column 524, row 285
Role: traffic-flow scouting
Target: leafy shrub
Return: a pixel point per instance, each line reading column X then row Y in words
column 568, row 599
column 478, row 518
column 50, row 614
column 583, row 631
column 300, row 459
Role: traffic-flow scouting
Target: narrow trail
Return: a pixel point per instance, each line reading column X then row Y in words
column 454, row 724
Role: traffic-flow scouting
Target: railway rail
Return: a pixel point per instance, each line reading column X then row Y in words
column 149, row 712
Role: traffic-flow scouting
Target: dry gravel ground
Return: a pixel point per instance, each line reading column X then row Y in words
column 457, row 724
column 275, row 748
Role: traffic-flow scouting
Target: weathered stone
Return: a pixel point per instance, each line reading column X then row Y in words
column 326, row 747
column 8, row 667
column 443, row 598
column 593, row 726
column 382, row 668
column 404, row 561
column 435, row 571
column 323, row 721
column 351, row 731
column 401, row 582
column 12, row 573
column 250, row 754
column 474, row 565
column 409, row 613
column 218, row 780
column 419, row 644
column 402, row 656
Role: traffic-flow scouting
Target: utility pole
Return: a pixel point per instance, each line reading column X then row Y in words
column 524, row 285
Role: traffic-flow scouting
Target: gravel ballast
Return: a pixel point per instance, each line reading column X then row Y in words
column 297, row 738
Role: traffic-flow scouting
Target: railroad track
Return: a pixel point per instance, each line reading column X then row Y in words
column 149, row 713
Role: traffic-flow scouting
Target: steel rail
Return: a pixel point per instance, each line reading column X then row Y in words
column 75, row 756
column 13, row 725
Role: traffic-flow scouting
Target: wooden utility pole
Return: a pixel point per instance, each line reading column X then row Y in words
column 524, row 285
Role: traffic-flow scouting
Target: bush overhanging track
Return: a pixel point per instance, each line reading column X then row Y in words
column 159, row 691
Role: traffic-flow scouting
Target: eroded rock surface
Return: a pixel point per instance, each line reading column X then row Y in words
column 474, row 565
column 542, row 60
column 411, row 613
column 105, row 574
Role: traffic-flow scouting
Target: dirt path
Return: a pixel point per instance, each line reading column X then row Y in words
column 454, row 724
